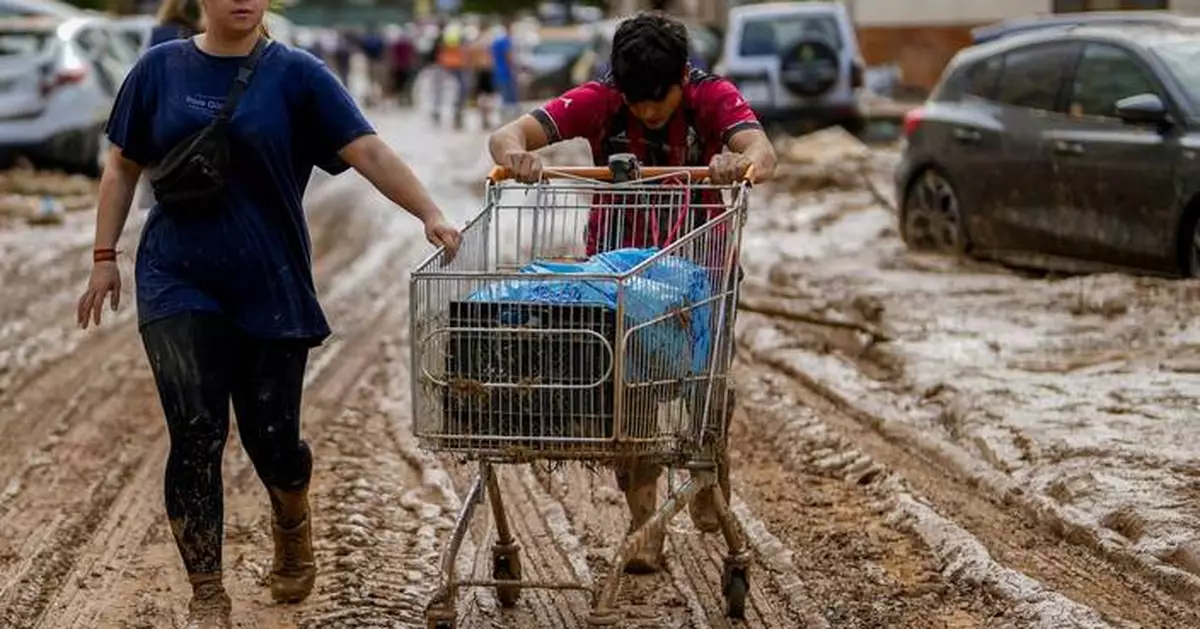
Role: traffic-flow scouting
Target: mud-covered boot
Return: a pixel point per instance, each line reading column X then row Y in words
column 640, row 484
column 704, row 508
column 294, row 570
column 210, row 606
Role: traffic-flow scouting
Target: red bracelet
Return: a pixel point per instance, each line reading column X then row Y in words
column 104, row 255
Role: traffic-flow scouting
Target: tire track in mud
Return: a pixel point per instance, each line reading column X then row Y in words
column 993, row 546
column 548, row 553
column 688, row 593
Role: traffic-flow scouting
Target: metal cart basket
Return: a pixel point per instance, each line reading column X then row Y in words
column 584, row 318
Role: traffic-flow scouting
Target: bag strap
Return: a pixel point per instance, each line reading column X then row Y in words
column 245, row 71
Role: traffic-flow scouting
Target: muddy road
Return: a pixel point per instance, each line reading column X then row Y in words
column 852, row 524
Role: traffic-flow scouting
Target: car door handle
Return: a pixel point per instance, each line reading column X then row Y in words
column 967, row 136
column 1063, row 147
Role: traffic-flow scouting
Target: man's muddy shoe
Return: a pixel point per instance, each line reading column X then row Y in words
column 210, row 607
column 294, row 570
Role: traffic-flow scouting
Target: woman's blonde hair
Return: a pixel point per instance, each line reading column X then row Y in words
column 187, row 11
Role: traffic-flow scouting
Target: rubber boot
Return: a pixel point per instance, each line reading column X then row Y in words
column 640, row 483
column 210, row 607
column 294, row 570
column 703, row 509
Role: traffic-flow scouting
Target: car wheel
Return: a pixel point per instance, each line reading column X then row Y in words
column 931, row 217
column 809, row 68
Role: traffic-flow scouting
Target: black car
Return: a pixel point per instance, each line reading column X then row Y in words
column 1069, row 148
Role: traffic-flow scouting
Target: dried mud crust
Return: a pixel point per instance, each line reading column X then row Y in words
column 1121, row 596
column 858, row 569
column 1066, row 403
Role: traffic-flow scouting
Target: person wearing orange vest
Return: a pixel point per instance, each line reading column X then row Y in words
column 452, row 63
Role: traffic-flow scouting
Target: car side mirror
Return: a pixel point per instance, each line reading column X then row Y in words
column 1145, row 109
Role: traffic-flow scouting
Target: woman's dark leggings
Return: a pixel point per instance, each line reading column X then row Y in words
column 201, row 362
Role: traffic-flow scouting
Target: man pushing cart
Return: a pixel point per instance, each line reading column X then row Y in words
column 523, row 352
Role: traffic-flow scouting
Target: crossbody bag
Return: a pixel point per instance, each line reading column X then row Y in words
column 192, row 177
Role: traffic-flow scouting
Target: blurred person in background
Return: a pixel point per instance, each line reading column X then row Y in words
column 373, row 48
column 504, row 72
column 226, row 304
column 481, row 65
column 177, row 19
column 404, row 65
column 452, row 65
column 343, row 50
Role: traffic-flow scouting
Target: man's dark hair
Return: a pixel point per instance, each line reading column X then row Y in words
column 649, row 55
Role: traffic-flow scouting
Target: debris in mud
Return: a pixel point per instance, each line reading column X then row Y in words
column 42, row 197
column 786, row 310
column 830, row 158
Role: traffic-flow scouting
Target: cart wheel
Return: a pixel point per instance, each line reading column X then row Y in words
column 735, row 594
column 440, row 619
column 506, row 566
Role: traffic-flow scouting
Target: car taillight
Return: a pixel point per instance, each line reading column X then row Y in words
column 912, row 120
column 64, row 76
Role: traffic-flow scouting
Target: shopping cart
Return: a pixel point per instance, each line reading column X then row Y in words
column 516, row 360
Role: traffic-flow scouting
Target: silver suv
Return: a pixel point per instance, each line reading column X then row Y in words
column 797, row 63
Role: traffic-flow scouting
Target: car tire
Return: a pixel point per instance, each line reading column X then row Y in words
column 931, row 216
column 810, row 68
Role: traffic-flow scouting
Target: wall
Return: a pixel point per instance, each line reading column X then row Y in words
column 941, row 12
column 921, row 36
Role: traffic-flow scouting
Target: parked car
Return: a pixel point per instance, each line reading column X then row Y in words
column 32, row 8
column 798, row 64
column 1069, row 148
column 548, row 67
column 1005, row 28
column 58, row 80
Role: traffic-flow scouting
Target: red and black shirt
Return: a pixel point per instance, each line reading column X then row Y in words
column 710, row 113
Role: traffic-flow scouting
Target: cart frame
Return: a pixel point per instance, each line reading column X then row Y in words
column 699, row 449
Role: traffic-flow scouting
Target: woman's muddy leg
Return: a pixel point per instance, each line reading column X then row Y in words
column 186, row 354
column 269, row 380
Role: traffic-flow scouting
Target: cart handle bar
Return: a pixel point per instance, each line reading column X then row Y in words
column 604, row 173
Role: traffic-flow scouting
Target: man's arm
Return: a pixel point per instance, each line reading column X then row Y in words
column 755, row 146
column 519, row 136
column 578, row 113
column 726, row 112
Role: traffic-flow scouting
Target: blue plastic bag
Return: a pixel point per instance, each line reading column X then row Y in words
column 675, row 347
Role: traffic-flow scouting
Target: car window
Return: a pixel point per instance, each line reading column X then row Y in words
column 1105, row 75
column 772, row 36
column 1033, row 76
column 1181, row 56
column 981, row 77
column 16, row 43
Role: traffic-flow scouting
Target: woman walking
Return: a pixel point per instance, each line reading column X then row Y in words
column 227, row 308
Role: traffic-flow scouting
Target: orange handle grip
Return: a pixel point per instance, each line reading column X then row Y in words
column 603, row 173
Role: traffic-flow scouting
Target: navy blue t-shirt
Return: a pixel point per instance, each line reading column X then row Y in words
column 250, row 259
